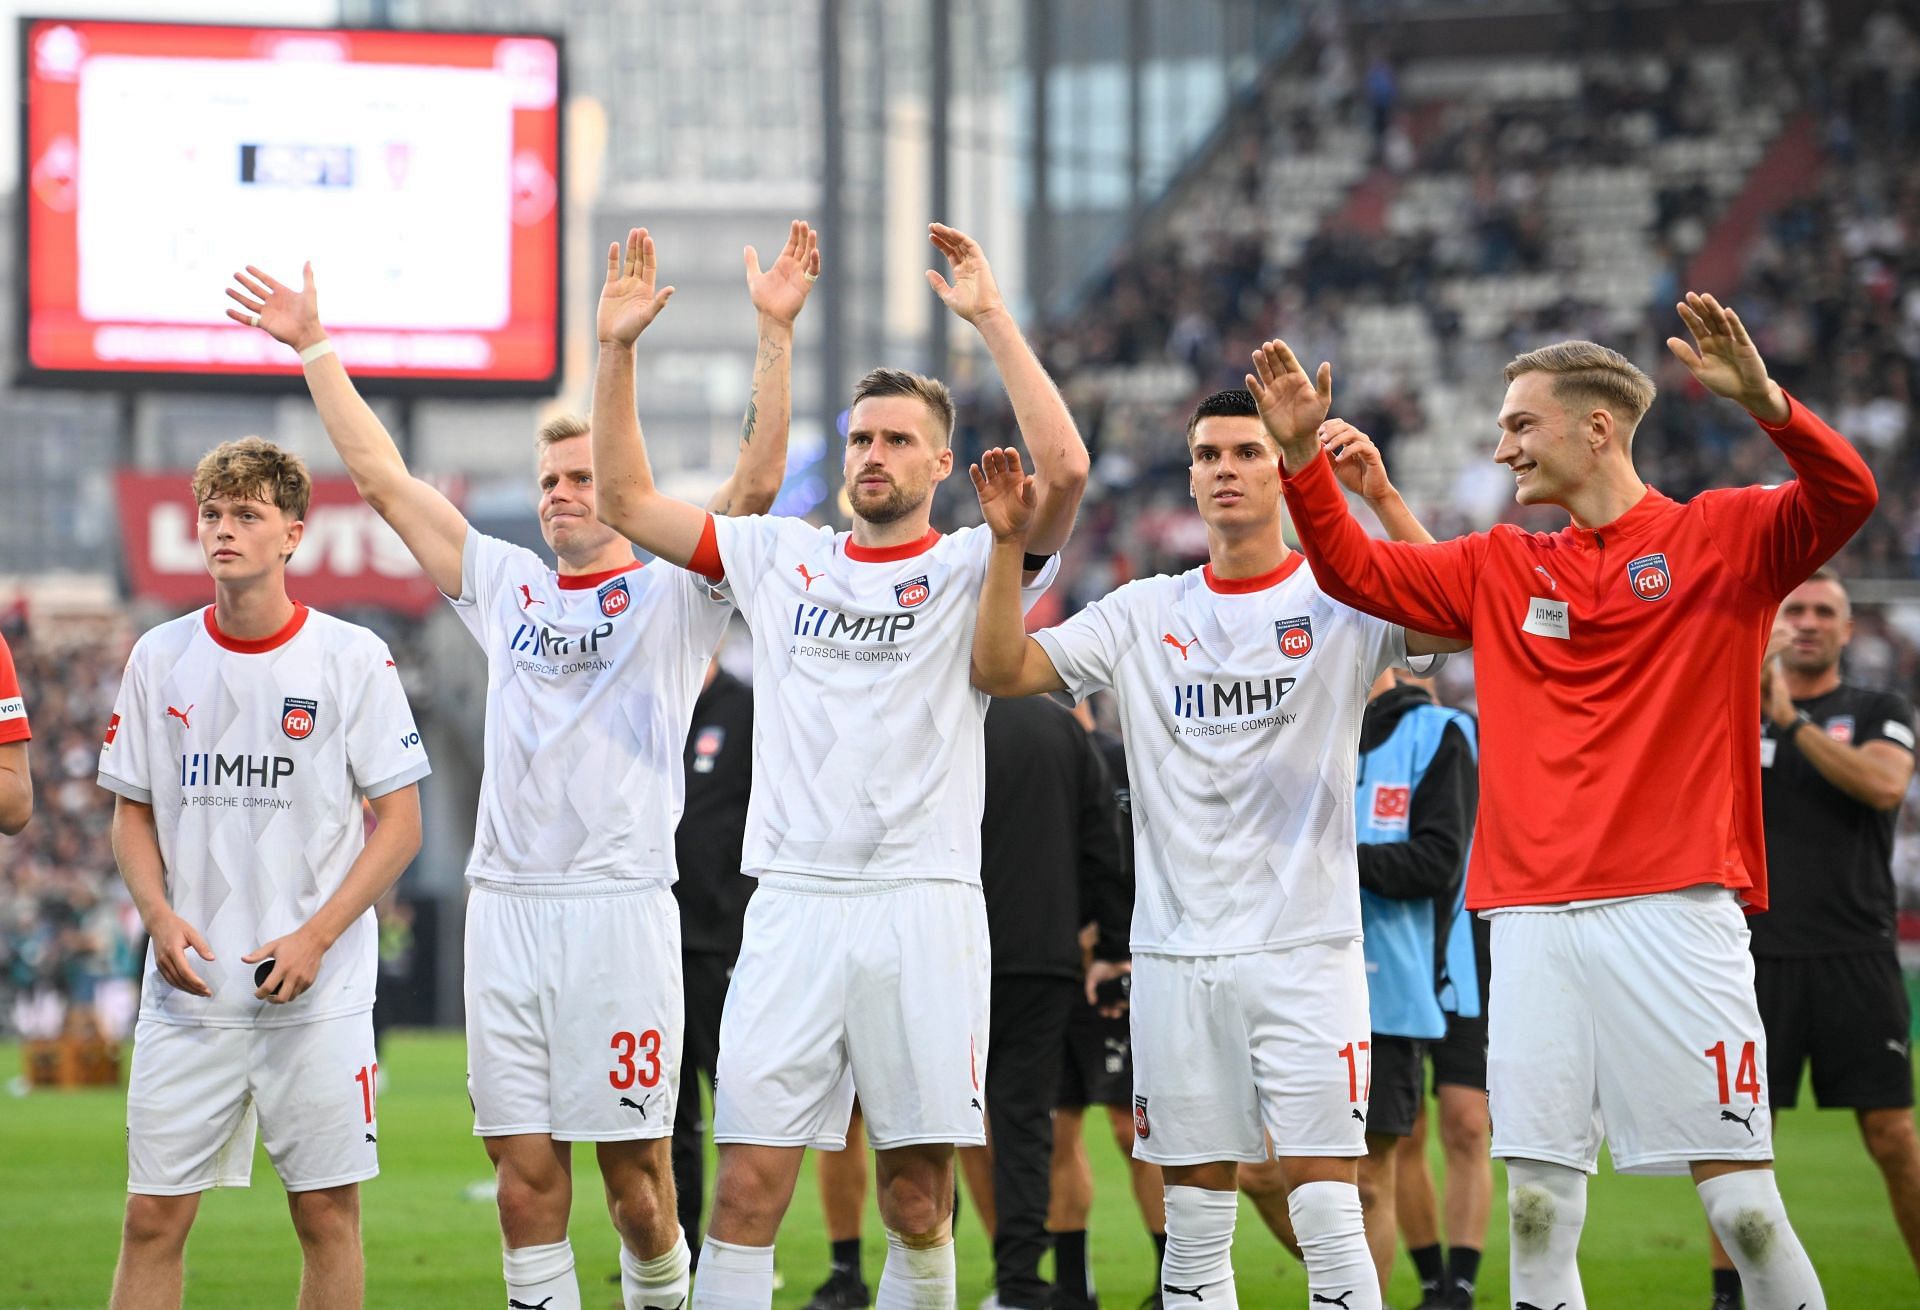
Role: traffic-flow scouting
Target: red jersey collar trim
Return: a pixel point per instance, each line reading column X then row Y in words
column 262, row 645
column 587, row 581
column 1241, row 586
column 1651, row 502
column 888, row 554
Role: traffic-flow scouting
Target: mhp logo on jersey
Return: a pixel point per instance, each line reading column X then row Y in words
column 1296, row 636
column 1392, row 803
column 913, row 592
column 1648, row 577
column 296, row 717
column 614, row 598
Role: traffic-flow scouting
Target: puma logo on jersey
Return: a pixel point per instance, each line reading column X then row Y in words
column 1193, row 1292
column 809, row 578
column 1340, row 1300
column 1728, row 1116
column 1168, row 639
column 634, row 1105
column 974, row 1101
column 1551, row 584
column 1528, row 1305
column 181, row 715
column 370, row 1137
column 1361, row 1117
column 389, row 663
column 527, row 601
column 523, row 1305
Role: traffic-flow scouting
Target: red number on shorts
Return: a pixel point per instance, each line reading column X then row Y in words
column 1746, row 1074
column 625, row 1045
column 368, row 1073
column 1355, row 1079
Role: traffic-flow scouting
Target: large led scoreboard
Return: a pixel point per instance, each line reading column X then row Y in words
column 420, row 172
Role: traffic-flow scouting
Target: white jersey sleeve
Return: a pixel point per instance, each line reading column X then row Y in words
column 484, row 564
column 1086, row 647
column 124, row 768
column 383, row 743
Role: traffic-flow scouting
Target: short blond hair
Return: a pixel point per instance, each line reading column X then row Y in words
column 254, row 469
column 562, row 427
column 931, row 392
column 1591, row 375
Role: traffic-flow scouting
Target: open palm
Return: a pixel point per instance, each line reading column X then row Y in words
column 1006, row 493
column 288, row 316
column 781, row 291
column 629, row 301
column 968, row 289
column 1722, row 355
column 1291, row 404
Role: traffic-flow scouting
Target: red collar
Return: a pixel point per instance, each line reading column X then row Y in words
column 1642, row 512
column 262, row 645
column 1241, row 586
column 888, row 554
column 587, row 581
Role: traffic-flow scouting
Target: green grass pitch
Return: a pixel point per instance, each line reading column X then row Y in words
column 63, row 1178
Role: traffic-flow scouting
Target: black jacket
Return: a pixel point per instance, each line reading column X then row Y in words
column 712, row 891
column 1049, row 842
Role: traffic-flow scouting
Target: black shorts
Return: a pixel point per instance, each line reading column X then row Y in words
column 1097, row 1060
column 1848, row 1014
column 1460, row 1058
column 1397, row 1093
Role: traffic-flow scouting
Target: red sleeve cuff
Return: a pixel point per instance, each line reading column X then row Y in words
column 1319, row 460
column 706, row 556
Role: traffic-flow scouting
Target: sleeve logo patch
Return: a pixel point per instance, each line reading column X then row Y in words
column 113, row 729
column 1392, row 804
column 1892, row 730
column 296, row 717
column 12, row 707
column 1295, row 636
column 1649, row 577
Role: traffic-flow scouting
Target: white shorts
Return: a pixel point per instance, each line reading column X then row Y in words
column 881, row 987
column 574, row 1013
column 196, row 1095
column 1633, row 1021
column 1230, row 1048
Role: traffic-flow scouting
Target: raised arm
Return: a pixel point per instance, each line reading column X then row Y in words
column 1060, row 460
column 627, row 499
column 16, row 787
column 1427, row 589
column 1006, row 661
column 426, row 520
column 1358, row 463
column 778, row 295
column 1776, row 535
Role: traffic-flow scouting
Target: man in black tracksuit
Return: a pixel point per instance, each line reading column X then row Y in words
column 713, row 897
column 1049, row 862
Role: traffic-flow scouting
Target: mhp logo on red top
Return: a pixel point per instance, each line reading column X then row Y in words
column 1648, row 576
column 1392, row 805
column 1295, row 635
column 912, row 592
column 614, row 598
column 296, row 717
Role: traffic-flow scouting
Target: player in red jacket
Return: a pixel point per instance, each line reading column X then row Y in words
column 1619, row 833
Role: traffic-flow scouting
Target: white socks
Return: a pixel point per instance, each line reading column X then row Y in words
column 1750, row 1220
column 1546, row 1206
column 1199, row 1259
column 916, row 1278
column 656, row 1284
column 1333, row 1245
column 541, row 1277
column 734, row 1277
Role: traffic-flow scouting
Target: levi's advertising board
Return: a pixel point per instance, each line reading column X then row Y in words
column 419, row 171
column 348, row 557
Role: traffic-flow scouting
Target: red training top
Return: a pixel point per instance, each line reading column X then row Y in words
column 13, row 710
column 1618, row 668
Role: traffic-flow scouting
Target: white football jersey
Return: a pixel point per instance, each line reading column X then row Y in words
column 1240, row 702
column 591, row 681
column 254, row 756
column 868, row 744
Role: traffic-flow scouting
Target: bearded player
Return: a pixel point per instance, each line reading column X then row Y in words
column 1241, row 689
column 865, row 952
column 243, row 740
column 1620, row 832
column 574, row 998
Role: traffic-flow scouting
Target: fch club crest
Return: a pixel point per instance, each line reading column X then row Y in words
column 296, row 717
column 1648, row 576
column 912, row 593
column 1295, row 636
column 615, row 597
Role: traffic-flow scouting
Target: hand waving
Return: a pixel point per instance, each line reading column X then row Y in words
column 972, row 293
column 1356, row 459
column 1006, row 493
column 288, row 316
column 1291, row 404
column 781, row 291
column 628, row 301
column 1723, row 357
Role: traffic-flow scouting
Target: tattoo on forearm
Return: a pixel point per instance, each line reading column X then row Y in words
column 746, row 428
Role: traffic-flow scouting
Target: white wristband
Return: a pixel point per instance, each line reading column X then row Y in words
column 324, row 346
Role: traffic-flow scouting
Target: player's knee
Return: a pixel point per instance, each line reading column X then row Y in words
column 531, row 1201
column 1890, row 1138
column 325, row 1218
column 1122, row 1125
column 158, row 1221
column 1464, row 1133
column 1263, row 1180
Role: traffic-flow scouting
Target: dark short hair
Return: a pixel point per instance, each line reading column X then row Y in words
column 1236, row 402
column 931, row 392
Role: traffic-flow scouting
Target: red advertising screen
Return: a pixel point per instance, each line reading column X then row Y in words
column 418, row 171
